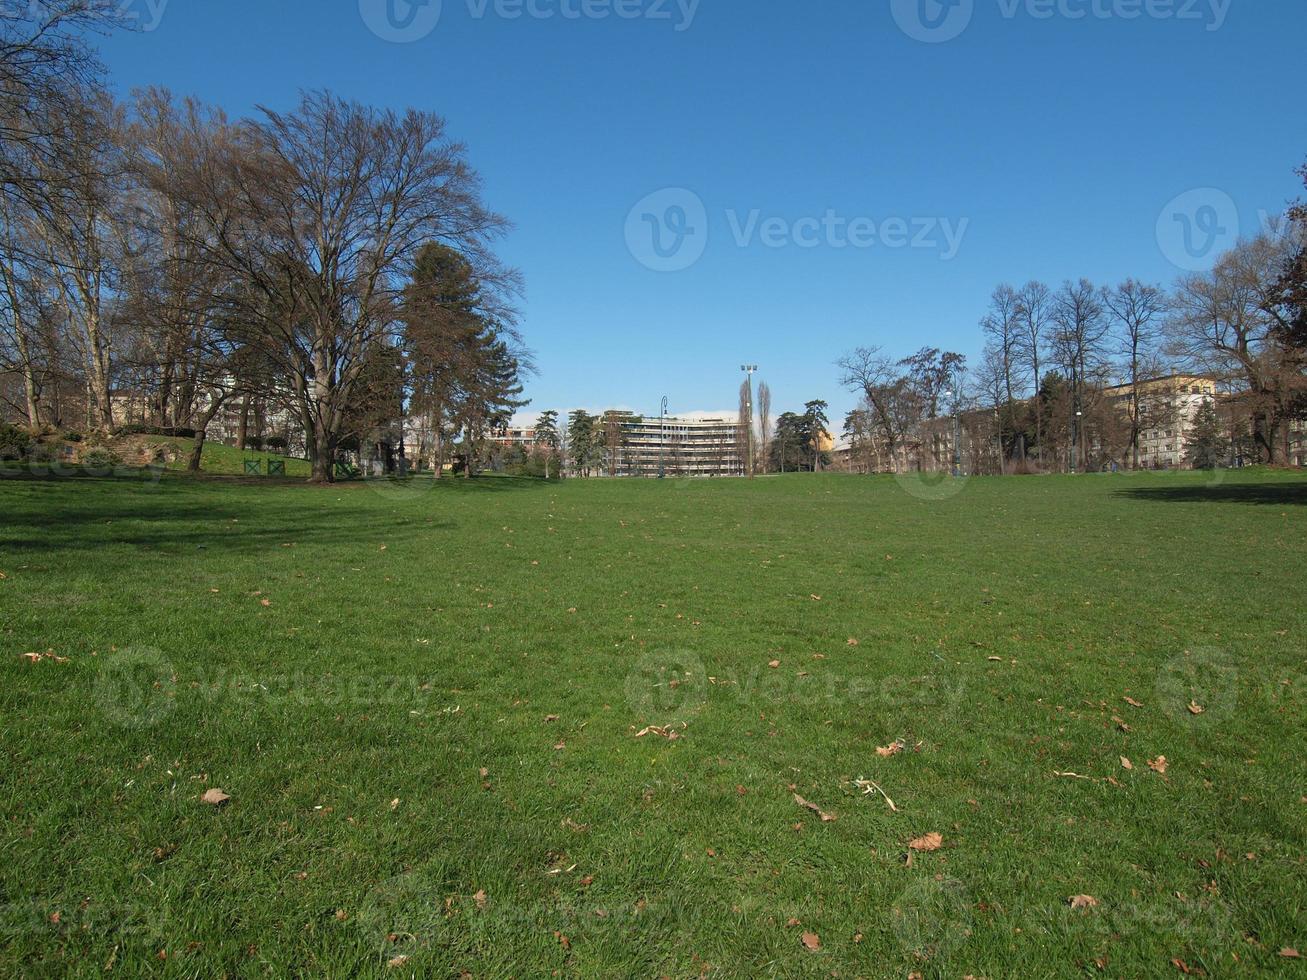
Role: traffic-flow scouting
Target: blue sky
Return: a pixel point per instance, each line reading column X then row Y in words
column 1049, row 145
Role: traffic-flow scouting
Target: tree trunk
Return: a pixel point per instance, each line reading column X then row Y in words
column 324, row 454
column 197, row 452
column 243, row 427
column 202, row 433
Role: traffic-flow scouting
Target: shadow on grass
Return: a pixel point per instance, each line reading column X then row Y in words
column 187, row 513
column 1270, row 494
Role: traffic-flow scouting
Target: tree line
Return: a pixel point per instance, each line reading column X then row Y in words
column 1040, row 397
column 334, row 261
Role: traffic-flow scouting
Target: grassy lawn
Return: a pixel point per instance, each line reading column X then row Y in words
column 424, row 704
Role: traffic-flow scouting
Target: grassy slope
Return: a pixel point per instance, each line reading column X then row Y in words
column 220, row 460
column 412, row 641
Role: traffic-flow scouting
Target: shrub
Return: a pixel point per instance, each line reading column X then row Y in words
column 101, row 459
column 15, row 443
column 276, row 443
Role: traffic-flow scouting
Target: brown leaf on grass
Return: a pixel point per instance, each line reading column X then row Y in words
column 774, row 664
column 815, row 598
column 559, row 746
column 394, row 804
column 791, row 923
column 995, row 660
column 265, row 602
column 825, row 817
column 1186, row 969
column 587, row 881
column 1158, row 765
column 894, row 748
column 666, row 733
column 927, row 842
column 396, row 962
column 214, row 797
column 1083, row 902
column 1195, row 708
column 811, row 941
column 562, row 940
column 1289, row 953
column 1126, row 763
column 1132, row 702
column 480, row 898
column 549, row 718
column 852, row 642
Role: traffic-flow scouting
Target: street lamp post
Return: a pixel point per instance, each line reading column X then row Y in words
column 957, row 433
column 749, row 371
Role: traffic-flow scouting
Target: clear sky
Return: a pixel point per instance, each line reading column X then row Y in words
column 868, row 170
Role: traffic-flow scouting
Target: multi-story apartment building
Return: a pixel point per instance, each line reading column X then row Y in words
column 507, row 438
column 679, row 447
column 1167, row 407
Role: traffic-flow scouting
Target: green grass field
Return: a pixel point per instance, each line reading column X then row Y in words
column 424, row 705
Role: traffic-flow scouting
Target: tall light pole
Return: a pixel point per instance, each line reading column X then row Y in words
column 749, row 371
column 662, row 444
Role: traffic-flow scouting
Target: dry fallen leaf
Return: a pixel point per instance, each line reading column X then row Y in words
column 825, row 817
column 214, row 797
column 1289, row 953
column 852, row 642
column 1083, row 902
column 894, row 748
column 397, row 962
column 1195, row 708
column 811, row 941
column 1158, row 765
column 265, row 602
column 480, row 898
column 791, row 923
column 928, row 842
column 1126, row 763
column 1132, row 702
column 995, row 660
column 774, row 664
column 551, row 718
column 394, row 804
column 666, row 733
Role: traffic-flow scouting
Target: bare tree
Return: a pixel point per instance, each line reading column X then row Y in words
column 320, row 211
column 1078, row 344
column 1035, row 312
column 876, row 377
column 744, row 428
column 764, row 422
column 1003, row 327
column 1137, row 309
column 1231, row 321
